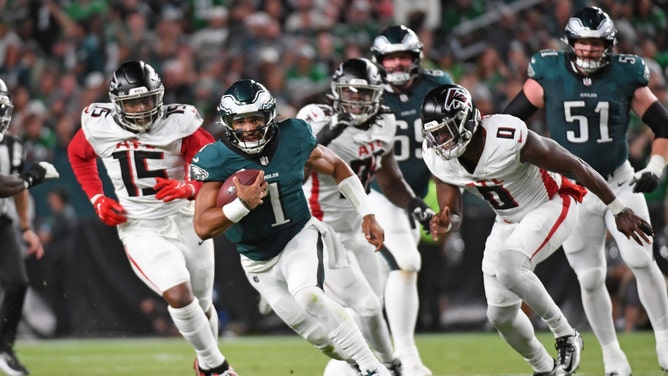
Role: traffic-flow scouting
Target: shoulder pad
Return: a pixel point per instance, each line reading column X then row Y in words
column 314, row 112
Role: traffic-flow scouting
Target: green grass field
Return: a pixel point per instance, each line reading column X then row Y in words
column 446, row 354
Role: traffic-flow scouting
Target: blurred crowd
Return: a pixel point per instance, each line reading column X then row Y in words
column 57, row 55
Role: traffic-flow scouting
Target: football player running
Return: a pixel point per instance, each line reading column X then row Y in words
column 283, row 248
column 146, row 147
column 399, row 51
column 587, row 93
column 361, row 131
column 519, row 174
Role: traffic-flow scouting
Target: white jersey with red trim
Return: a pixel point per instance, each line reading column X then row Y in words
column 511, row 187
column 134, row 160
column 361, row 149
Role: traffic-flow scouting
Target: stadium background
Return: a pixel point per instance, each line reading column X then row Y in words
column 56, row 56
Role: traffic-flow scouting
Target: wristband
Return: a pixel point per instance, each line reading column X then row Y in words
column 235, row 210
column 656, row 164
column 24, row 229
column 453, row 218
column 352, row 188
column 616, row 207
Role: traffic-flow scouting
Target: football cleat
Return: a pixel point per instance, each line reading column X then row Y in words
column 223, row 370
column 569, row 350
column 556, row 371
column 10, row 365
column 395, row 367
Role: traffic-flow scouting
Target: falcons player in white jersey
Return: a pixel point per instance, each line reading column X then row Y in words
column 360, row 131
column 519, row 174
column 146, row 148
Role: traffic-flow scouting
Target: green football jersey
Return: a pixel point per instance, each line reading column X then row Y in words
column 264, row 232
column 589, row 115
column 408, row 140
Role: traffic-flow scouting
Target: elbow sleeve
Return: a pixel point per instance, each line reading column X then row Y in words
column 520, row 107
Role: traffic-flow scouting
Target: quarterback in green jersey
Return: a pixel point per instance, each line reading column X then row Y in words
column 399, row 51
column 283, row 249
column 587, row 93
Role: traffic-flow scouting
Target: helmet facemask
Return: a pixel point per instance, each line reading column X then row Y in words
column 591, row 23
column 398, row 39
column 450, row 137
column 140, row 121
column 361, row 101
column 137, row 93
column 449, row 120
column 248, row 99
column 357, row 87
column 6, row 110
column 251, row 141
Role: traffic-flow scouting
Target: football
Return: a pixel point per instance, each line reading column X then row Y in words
column 228, row 191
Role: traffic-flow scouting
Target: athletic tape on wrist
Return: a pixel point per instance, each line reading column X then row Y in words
column 352, row 188
column 616, row 206
column 235, row 210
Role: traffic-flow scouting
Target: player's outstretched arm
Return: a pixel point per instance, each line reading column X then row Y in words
column 548, row 154
column 449, row 218
column 39, row 172
column 396, row 189
column 325, row 161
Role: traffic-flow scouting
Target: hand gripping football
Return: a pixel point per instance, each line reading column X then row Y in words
column 228, row 191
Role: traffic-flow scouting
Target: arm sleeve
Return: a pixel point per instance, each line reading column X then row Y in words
column 520, row 107
column 84, row 164
column 656, row 117
column 189, row 147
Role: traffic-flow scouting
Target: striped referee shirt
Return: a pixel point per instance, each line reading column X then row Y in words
column 11, row 162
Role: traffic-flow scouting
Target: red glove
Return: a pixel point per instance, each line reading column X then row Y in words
column 109, row 211
column 168, row 190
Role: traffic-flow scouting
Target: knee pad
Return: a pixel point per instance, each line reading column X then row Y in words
column 306, row 297
column 402, row 256
column 367, row 306
column 591, row 278
column 510, row 266
column 501, row 316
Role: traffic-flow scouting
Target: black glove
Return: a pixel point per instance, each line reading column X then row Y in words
column 421, row 212
column 338, row 123
column 647, row 181
column 38, row 173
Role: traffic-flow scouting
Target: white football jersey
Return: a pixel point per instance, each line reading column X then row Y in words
column 134, row 160
column 512, row 188
column 361, row 149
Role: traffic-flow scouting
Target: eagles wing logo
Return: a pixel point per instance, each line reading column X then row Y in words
column 198, row 173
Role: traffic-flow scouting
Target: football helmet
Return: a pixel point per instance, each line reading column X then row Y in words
column 243, row 99
column 398, row 39
column 449, row 118
column 591, row 22
column 136, row 86
column 357, row 86
column 6, row 109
